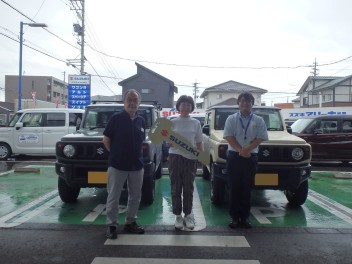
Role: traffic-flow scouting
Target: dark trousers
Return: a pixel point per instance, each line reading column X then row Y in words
column 240, row 172
column 182, row 174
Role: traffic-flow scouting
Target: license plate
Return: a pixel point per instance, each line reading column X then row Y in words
column 97, row 177
column 266, row 179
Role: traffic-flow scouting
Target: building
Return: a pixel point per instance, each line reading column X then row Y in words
column 326, row 91
column 221, row 93
column 44, row 88
column 153, row 87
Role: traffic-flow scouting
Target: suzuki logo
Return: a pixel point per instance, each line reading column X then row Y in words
column 164, row 132
column 100, row 151
column 266, row 153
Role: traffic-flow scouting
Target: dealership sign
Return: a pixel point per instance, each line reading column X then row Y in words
column 79, row 91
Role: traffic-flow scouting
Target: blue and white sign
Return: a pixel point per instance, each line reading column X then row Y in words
column 79, row 91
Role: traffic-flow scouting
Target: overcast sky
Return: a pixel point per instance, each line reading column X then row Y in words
column 248, row 41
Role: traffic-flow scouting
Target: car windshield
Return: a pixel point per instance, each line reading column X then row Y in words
column 300, row 125
column 98, row 116
column 14, row 119
column 272, row 117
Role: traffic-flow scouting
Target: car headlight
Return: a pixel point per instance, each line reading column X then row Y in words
column 69, row 151
column 297, row 153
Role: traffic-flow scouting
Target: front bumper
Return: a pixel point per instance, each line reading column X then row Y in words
column 272, row 177
column 88, row 174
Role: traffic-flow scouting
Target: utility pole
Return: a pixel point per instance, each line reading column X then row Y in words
column 80, row 30
column 314, row 72
column 195, row 91
column 63, row 89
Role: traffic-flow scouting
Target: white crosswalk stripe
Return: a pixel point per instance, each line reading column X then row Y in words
column 170, row 261
column 179, row 240
column 175, row 240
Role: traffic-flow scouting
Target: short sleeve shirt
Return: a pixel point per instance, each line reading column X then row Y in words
column 126, row 137
column 256, row 129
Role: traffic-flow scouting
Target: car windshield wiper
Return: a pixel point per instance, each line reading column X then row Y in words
column 274, row 129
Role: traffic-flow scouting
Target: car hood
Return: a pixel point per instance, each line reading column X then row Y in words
column 87, row 135
column 275, row 137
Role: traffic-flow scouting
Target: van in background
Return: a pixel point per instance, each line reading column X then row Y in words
column 36, row 131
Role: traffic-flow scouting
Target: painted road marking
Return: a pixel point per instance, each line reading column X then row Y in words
column 30, row 205
column 100, row 260
column 179, row 240
column 98, row 210
column 331, row 206
column 197, row 211
column 262, row 214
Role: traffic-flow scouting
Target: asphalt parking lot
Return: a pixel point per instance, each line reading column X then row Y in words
column 31, row 212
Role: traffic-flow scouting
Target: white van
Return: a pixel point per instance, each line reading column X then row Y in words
column 36, row 131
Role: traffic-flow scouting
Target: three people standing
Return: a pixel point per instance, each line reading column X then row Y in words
column 244, row 131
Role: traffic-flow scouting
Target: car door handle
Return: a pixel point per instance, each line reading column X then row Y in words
column 48, row 131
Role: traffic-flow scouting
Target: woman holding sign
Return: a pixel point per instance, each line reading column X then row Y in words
column 182, row 165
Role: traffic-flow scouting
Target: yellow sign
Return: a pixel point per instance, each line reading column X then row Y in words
column 161, row 131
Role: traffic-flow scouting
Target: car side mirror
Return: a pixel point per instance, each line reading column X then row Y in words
column 205, row 130
column 289, row 129
column 18, row 125
column 318, row 131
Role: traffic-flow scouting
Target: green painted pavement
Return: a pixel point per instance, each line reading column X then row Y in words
column 270, row 208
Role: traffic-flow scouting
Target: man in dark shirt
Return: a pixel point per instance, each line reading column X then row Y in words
column 123, row 138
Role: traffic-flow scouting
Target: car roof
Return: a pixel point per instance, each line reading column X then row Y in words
column 236, row 106
column 326, row 117
column 50, row 110
column 116, row 104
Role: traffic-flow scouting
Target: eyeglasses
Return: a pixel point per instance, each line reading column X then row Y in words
column 243, row 101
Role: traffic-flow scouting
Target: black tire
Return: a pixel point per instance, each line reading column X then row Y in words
column 158, row 172
column 297, row 197
column 217, row 191
column 5, row 151
column 148, row 191
column 67, row 194
column 206, row 174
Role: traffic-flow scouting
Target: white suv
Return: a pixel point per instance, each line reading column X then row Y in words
column 35, row 131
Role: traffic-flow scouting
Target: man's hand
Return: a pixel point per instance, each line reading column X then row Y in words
column 246, row 153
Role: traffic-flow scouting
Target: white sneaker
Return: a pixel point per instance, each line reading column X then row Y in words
column 179, row 222
column 189, row 221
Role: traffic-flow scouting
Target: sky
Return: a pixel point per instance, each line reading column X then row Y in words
column 269, row 44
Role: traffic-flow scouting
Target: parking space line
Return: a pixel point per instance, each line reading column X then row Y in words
column 25, row 208
column 95, row 213
column 330, row 205
column 179, row 240
column 198, row 211
column 100, row 260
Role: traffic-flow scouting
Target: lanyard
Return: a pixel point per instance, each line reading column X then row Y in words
column 245, row 129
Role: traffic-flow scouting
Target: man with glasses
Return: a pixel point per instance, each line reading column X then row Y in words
column 244, row 131
column 123, row 138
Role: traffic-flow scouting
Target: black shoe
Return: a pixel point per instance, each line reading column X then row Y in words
column 234, row 223
column 134, row 228
column 111, row 232
column 245, row 223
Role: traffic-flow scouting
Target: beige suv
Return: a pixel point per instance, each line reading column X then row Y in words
column 283, row 160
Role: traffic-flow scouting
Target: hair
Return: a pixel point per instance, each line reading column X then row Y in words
column 246, row 96
column 132, row 91
column 184, row 99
